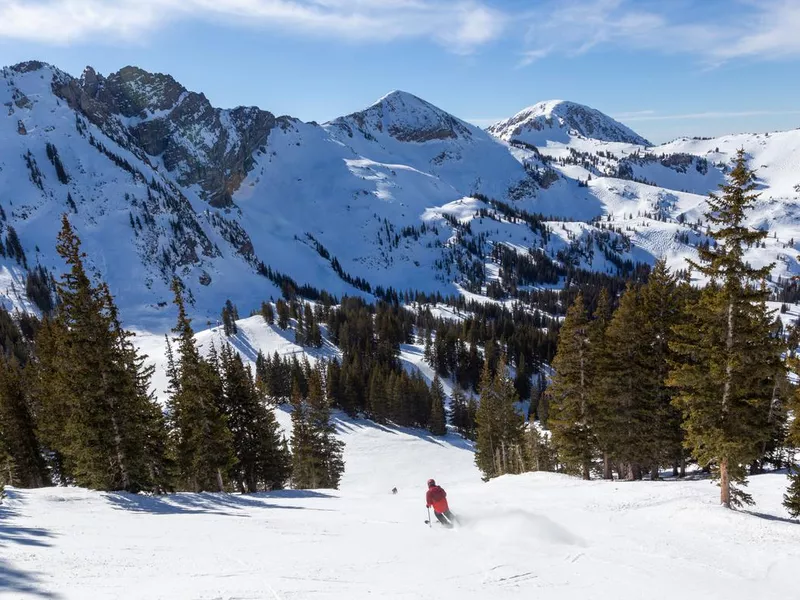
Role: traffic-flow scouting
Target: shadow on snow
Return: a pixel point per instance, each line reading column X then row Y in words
column 13, row 579
column 209, row 503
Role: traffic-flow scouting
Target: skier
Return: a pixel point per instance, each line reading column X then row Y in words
column 437, row 499
column 394, row 490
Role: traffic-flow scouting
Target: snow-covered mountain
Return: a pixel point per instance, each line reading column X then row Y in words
column 239, row 203
column 559, row 121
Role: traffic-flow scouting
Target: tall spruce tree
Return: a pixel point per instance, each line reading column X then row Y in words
column 317, row 455
column 24, row 462
column 569, row 410
column 90, row 409
column 661, row 300
column 499, row 442
column 437, row 424
column 202, row 442
column 726, row 358
column 261, row 462
column 597, row 412
column 791, row 499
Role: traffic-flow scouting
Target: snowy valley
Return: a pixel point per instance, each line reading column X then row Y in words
column 458, row 249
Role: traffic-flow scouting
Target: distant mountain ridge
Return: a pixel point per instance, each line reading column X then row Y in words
column 557, row 120
column 401, row 195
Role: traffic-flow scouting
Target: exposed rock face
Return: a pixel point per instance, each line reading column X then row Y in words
column 406, row 118
column 200, row 144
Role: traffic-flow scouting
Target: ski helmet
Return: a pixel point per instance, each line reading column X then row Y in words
column 431, row 483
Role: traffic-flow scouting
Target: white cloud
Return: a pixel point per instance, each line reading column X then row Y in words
column 762, row 29
column 460, row 25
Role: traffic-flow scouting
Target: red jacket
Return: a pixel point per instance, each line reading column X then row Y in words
column 437, row 498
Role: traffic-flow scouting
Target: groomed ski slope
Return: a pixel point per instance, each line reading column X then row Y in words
column 542, row 536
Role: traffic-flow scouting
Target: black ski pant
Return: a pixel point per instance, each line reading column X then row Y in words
column 446, row 518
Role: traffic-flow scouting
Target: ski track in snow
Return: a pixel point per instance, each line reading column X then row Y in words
column 534, row 535
column 539, row 535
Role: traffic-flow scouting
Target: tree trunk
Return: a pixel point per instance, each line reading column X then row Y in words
column 634, row 472
column 121, row 460
column 654, row 476
column 726, row 392
column 586, row 473
column 675, row 469
column 607, row 473
column 220, row 483
column 724, row 484
column 683, row 465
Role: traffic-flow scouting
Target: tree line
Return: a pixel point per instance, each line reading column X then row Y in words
column 670, row 374
column 76, row 406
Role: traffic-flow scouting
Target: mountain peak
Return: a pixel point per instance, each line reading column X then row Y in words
column 560, row 120
column 407, row 118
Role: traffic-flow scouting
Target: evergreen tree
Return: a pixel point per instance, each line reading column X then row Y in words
column 202, row 441
column 662, row 304
column 283, row 314
column 522, row 381
column 90, row 406
column 541, row 454
column 569, row 418
column 726, row 362
column 24, row 465
column 499, row 433
column 268, row 312
column 437, row 424
column 791, row 499
column 598, row 352
column 261, row 463
column 328, row 448
column 229, row 316
column 316, row 453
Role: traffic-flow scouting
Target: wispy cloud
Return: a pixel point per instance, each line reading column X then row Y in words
column 652, row 116
column 634, row 115
column 459, row 25
column 762, row 29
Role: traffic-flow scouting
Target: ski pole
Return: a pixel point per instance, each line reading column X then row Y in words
column 429, row 517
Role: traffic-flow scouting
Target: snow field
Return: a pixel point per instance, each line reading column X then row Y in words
column 539, row 535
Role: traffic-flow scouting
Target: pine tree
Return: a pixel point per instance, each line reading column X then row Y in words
column 261, row 464
column 791, row 499
column 316, row 453
column 499, row 447
column 661, row 300
column 328, row 447
column 437, row 424
column 726, row 361
column 598, row 352
column 24, row 466
column 268, row 312
column 229, row 316
column 91, row 410
column 202, row 441
column 570, row 393
column 283, row 314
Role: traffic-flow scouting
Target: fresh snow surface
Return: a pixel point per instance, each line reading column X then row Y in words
column 541, row 536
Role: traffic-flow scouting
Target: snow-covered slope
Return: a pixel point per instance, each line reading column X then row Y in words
column 545, row 536
column 559, row 121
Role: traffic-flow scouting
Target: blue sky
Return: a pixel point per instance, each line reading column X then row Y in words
column 668, row 68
